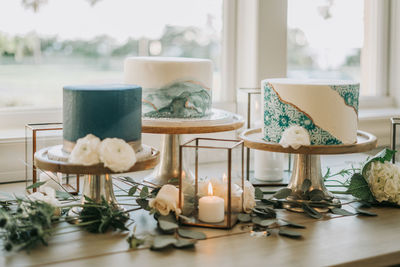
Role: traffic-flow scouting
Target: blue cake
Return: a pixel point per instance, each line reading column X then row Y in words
column 105, row 111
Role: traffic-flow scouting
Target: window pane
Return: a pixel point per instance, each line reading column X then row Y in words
column 325, row 38
column 54, row 43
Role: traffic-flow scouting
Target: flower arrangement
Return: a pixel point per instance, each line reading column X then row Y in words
column 295, row 136
column 115, row 153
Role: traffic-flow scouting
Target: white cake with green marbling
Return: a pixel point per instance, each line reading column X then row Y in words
column 326, row 109
column 172, row 87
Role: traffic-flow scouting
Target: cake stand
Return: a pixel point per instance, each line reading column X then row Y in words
column 172, row 129
column 307, row 164
column 98, row 181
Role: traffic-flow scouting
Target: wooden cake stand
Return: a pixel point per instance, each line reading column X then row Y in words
column 307, row 164
column 220, row 121
column 98, row 182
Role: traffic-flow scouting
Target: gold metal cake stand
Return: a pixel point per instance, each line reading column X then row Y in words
column 307, row 163
column 98, row 181
column 172, row 130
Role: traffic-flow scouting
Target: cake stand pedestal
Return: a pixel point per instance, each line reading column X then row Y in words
column 307, row 163
column 98, row 181
column 172, row 129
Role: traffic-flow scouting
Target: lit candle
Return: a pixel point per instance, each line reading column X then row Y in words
column 211, row 208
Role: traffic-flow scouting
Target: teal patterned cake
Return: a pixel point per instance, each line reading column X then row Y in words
column 104, row 111
column 172, row 87
column 327, row 110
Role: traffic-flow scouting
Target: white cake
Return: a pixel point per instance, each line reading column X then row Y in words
column 172, row 87
column 326, row 109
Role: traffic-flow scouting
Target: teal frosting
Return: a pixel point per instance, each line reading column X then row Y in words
column 177, row 100
column 350, row 93
column 279, row 116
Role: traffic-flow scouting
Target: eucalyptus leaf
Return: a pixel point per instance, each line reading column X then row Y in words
column 258, row 193
column 143, row 203
column 365, row 212
column 264, row 223
column 282, row 193
column 163, row 241
column 340, row 211
column 292, row 224
column 289, row 233
column 63, row 195
column 191, row 234
column 129, row 179
column 265, row 214
column 316, row 195
column 167, row 223
column 36, row 185
column 305, row 186
column 185, row 218
column 144, row 192
column 132, row 190
column 244, row 217
column 311, row 212
column 184, row 243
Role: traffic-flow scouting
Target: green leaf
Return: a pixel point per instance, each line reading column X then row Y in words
column 244, row 217
column 340, row 211
column 264, row 223
column 305, row 186
column 132, row 191
column 162, row 242
column 173, row 181
column 365, row 212
column 134, row 242
column 292, row 224
column 359, row 188
column 258, row 193
column 384, row 155
column 63, row 195
column 144, row 193
column 187, row 219
column 167, row 223
column 289, row 233
column 316, row 195
column 265, row 213
column 129, row 179
column 143, row 203
column 192, row 234
column 282, row 193
column 311, row 212
column 36, row 185
column 184, row 243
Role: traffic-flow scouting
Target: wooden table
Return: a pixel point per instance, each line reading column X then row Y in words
column 333, row 240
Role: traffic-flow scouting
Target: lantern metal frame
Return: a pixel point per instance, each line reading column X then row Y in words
column 393, row 130
column 230, row 219
column 42, row 127
column 287, row 173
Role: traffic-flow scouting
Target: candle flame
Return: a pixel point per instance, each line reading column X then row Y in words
column 224, row 178
column 210, row 189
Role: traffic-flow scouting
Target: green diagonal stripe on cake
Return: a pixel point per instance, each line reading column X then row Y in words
column 278, row 116
column 350, row 94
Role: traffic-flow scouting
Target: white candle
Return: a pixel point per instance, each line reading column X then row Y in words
column 211, row 208
column 268, row 166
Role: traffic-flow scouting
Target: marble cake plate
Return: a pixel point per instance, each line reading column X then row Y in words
column 56, row 160
column 218, row 121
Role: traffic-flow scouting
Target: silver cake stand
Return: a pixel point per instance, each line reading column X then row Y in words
column 172, row 129
column 98, row 181
column 307, row 163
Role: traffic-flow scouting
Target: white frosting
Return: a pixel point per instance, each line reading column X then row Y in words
column 321, row 103
column 156, row 72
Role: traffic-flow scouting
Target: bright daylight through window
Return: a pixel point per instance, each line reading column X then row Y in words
column 325, row 39
column 71, row 42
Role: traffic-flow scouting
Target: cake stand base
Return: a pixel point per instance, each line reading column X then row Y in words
column 97, row 187
column 307, row 166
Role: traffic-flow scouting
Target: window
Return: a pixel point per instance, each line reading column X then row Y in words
column 325, row 39
column 47, row 44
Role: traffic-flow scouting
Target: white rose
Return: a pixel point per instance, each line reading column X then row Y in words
column 48, row 196
column 85, row 151
column 249, row 201
column 167, row 200
column 116, row 154
column 52, row 180
column 295, row 136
